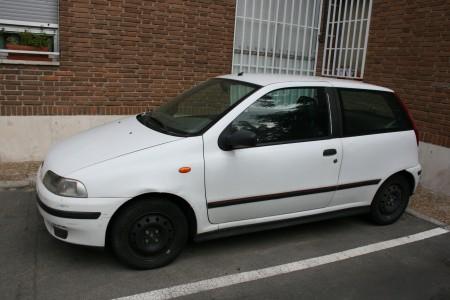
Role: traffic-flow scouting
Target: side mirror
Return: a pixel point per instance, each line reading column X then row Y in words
column 238, row 139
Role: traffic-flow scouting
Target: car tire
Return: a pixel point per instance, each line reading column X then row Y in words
column 390, row 201
column 148, row 234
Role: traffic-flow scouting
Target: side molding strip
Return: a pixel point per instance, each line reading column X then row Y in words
column 325, row 189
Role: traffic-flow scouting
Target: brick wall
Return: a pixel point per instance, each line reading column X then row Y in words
column 122, row 57
column 409, row 51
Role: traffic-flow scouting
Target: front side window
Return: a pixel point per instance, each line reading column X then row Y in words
column 369, row 112
column 195, row 110
column 287, row 115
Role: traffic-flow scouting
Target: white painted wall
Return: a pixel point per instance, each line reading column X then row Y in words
column 26, row 138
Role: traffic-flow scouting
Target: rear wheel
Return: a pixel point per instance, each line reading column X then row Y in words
column 390, row 200
column 149, row 233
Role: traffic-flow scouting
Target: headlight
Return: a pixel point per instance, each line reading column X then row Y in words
column 64, row 186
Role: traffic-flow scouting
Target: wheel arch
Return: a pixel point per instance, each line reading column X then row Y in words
column 180, row 202
column 409, row 178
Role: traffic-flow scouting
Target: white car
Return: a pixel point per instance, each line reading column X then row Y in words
column 235, row 154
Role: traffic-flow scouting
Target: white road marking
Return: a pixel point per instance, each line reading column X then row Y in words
column 223, row 281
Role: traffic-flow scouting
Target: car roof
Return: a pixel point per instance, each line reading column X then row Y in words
column 267, row 79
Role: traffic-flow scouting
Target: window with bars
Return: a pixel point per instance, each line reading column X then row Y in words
column 276, row 36
column 346, row 38
column 29, row 31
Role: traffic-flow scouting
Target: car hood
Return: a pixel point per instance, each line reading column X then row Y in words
column 101, row 144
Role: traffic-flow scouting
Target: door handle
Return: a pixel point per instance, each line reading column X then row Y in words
column 329, row 152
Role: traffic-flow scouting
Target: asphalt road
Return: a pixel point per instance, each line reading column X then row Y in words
column 33, row 265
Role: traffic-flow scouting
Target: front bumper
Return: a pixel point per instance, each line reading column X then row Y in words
column 76, row 220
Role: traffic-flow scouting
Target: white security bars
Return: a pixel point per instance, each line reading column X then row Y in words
column 276, row 36
column 346, row 38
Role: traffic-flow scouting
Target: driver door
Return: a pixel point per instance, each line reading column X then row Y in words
column 294, row 166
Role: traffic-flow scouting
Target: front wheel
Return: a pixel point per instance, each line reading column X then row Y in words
column 149, row 233
column 390, row 200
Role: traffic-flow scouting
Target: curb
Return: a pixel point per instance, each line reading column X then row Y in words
column 426, row 218
column 17, row 184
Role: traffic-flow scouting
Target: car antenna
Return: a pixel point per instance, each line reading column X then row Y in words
column 241, row 73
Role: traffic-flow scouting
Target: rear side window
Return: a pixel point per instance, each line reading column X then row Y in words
column 368, row 112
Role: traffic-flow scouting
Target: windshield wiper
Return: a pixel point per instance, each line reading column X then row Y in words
column 155, row 120
column 149, row 118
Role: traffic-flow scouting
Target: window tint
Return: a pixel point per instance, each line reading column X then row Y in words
column 287, row 115
column 367, row 112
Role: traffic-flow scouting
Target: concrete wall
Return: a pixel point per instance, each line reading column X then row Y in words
column 29, row 138
column 435, row 162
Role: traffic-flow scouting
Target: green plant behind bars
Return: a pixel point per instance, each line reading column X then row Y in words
column 34, row 39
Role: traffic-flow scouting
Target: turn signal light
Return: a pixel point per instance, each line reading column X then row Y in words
column 184, row 169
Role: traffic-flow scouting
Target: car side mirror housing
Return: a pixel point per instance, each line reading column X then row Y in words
column 237, row 139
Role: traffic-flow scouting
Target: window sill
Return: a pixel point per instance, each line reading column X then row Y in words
column 29, row 62
column 27, row 57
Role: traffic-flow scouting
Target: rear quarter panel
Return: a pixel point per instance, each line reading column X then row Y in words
column 370, row 157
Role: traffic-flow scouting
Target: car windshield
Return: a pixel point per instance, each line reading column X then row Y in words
column 195, row 110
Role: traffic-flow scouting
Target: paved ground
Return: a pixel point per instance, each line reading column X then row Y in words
column 33, row 265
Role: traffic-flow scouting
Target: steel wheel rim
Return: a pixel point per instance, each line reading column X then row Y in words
column 151, row 234
column 392, row 199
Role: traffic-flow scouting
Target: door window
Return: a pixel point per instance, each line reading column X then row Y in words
column 287, row 115
column 369, row 112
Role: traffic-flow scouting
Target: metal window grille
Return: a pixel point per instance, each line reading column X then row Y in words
column 346, row 38
column 276, row 36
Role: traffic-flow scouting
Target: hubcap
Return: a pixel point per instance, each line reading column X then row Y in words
column 151, row 234
column 392, row 199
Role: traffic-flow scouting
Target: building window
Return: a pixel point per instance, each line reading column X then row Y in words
column 29, row 31
column 346, row 38
column 276, row 36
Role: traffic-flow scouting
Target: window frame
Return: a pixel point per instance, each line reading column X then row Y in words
column 332, row 113
column 341, row 116
column 15, row 26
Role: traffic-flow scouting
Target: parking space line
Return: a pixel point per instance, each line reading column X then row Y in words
column 228, row 280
